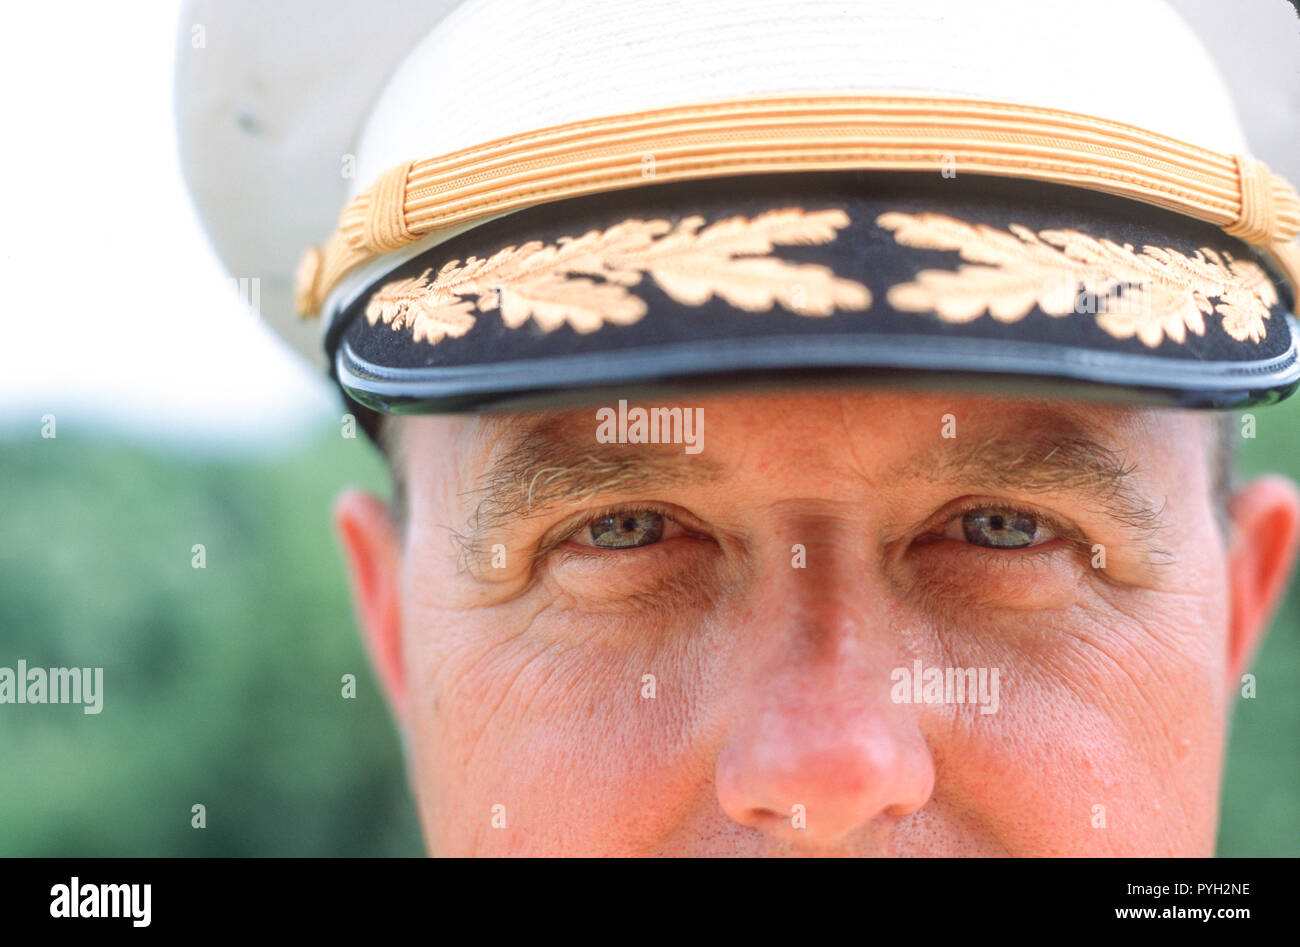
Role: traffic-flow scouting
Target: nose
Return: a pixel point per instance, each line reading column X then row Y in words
column 817, row 750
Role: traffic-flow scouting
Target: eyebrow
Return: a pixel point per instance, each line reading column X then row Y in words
column 535, row 466
column 1038, row 462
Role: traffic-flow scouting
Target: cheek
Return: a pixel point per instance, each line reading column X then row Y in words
column 1109, row 730
column 574, row 723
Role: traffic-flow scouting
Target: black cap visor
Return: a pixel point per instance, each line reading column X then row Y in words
column 969, row 282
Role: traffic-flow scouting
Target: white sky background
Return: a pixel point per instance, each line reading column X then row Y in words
column 116, row 316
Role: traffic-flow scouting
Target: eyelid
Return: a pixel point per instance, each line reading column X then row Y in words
column 569, row 527
column 1061, row 528
column 954, row 529
column 671, row 528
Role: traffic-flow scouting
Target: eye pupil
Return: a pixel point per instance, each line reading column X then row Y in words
column 999, row 529
column 626, row 531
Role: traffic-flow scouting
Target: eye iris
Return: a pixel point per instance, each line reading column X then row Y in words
column 999, row 528
column 627, row 531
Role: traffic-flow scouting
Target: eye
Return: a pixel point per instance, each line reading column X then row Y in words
column 623, row 529
column 999, row 528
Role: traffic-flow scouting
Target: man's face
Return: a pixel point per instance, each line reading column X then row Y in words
column 631, row 649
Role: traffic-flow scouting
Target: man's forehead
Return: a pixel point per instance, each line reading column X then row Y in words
column 910, row 420
column 511, row 464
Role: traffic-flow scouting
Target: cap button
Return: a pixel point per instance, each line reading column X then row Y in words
column 304, row 283
column 1255, row 222
column 384, row 226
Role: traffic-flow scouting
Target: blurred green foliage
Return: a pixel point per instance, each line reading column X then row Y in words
column 223, row 684
column 1260, row 812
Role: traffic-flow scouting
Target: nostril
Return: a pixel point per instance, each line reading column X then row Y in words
column 822, row 783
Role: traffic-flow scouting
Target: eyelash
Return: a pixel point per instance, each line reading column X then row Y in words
column 567, row 530
column 1064, row 531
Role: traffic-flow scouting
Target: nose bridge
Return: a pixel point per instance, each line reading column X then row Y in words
column 821, row 588
column 815, row 730
column 825, row 618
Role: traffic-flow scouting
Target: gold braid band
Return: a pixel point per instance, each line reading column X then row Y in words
column 807, row 133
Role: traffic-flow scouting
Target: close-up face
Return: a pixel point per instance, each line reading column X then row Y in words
column 694, row 429
column 858, row 623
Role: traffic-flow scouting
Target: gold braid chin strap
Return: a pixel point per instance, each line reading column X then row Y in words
column 809, row 133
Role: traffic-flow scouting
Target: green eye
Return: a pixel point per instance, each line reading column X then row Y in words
column 626, row 530
column 999, row 528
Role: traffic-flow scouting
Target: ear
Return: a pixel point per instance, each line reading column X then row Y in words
column 1266, row 524
column 373, row 549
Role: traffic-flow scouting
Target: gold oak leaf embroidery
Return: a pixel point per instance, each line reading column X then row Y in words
column 1156, row 294
column 585, row 281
